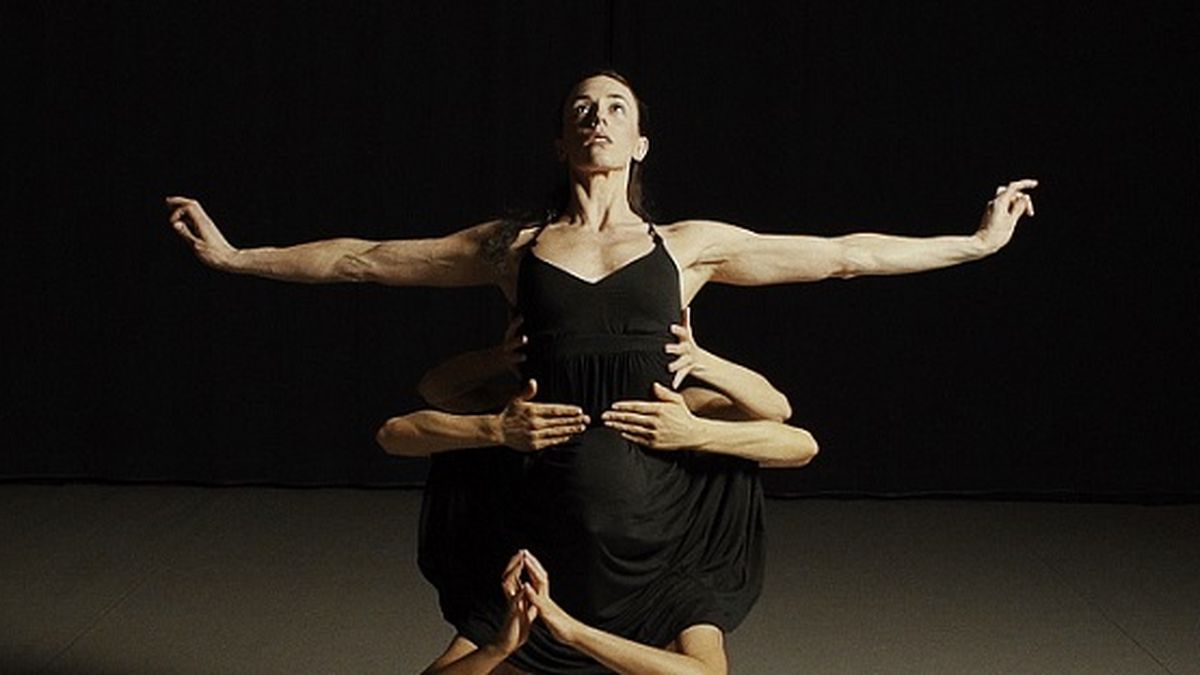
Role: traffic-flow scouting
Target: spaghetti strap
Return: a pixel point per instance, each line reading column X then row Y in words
column 654, row 233
column 533, row 242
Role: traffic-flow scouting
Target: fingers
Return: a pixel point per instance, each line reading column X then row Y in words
column 684, row 361
column 680, row 376
column 644, row 407
column 630, row 421
column 665, row 393
column 511, row 580
column 537, row 573
column 528, row 391
column 554, row 410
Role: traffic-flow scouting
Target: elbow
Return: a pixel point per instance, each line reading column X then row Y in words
column 780, row 409
column 383, row 437
column 803, row 451
column 809, row 449
column 390, row 436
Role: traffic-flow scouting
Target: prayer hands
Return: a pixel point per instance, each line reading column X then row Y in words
column 536, row 592
column 1000, row 219
column 665, row 424
column 521, row 613
column 195, row 227
column 527, row 426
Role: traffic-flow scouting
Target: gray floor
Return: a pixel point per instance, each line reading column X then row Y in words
column 115, row 579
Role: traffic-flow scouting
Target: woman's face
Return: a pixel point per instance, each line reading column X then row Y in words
column 600, row 127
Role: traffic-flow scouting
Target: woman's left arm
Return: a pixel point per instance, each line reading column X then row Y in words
column 733, row 255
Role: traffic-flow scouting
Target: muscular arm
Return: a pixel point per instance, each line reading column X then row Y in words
column 724, row 253
column 428, row 432
column 453, row 260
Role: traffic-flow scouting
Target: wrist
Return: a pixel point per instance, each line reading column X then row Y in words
column 703, row 433
column 572, row 632
column 980, row 246
column 703, row 362
column 491, row 429
column 495, row 652
column 235, row 260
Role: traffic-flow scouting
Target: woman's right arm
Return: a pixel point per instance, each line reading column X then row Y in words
column 453, row 260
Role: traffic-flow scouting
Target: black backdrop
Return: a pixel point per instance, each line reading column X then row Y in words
column 1064, row 364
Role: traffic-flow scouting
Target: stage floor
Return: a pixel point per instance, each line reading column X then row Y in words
column 103, row 579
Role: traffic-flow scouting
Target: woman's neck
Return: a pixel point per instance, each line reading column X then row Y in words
column 599, row 200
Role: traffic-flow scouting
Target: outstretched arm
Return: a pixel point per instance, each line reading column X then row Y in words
column 733, row 255
column 453, row 260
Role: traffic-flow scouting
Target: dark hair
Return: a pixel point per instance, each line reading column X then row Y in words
column 495, row 249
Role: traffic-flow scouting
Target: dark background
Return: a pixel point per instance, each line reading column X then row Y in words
column 1064, row 365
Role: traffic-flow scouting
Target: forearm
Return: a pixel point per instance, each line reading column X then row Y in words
column 455, row 379
column 331, row 260
column 453, row 260
column 880, row 254
column 771, row 444
column 745, row 388
column 632, row 658
column 481, row 661
column 427, row 432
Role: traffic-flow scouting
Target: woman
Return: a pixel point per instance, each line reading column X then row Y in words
column 602, row 252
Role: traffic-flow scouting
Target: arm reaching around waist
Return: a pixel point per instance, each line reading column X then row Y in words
column 453, row 260
column 668, row 424
column 522, row 425
column 749, row 392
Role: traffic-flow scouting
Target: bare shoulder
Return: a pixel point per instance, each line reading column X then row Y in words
column 696, row 229
column 696, row 242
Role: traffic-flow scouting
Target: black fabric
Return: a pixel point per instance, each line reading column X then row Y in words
column 637, row 542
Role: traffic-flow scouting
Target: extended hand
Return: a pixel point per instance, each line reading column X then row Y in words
column 535, row 426
column 665, row 424
column 692, row 359
column 195, row 227
column 1000, row 219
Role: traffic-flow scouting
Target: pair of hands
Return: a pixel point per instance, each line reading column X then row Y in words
column 529, row 601
column 662, row 424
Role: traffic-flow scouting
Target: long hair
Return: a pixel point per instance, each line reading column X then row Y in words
column 495, row 249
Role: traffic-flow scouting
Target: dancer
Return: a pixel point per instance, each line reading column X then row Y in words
column 675, row 551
